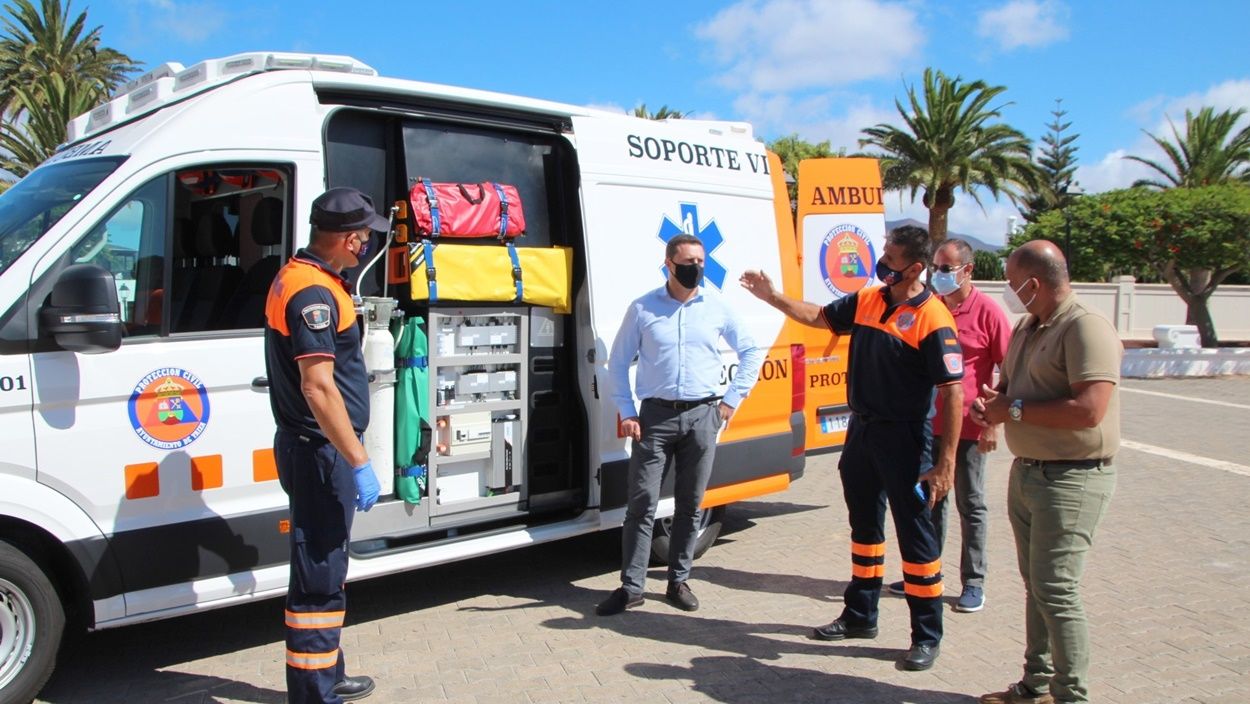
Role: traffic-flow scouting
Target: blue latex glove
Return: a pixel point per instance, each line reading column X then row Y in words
column 367, row 488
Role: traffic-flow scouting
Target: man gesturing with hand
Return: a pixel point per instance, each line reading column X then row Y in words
column 903, row 346
column 319, row 393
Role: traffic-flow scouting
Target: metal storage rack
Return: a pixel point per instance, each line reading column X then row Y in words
column 477, row 385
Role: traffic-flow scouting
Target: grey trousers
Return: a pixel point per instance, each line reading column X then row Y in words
column 1054, row 513
column 689, row 438
column 973, row 516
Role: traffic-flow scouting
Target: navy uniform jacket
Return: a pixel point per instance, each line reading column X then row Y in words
column 899, row 354
column 309, row 313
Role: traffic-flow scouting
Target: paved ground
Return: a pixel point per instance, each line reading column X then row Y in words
column 1168, row 590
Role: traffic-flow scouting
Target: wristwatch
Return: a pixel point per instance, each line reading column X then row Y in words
column 1016, row 410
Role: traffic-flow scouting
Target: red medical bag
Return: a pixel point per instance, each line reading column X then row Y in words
column 466, row 209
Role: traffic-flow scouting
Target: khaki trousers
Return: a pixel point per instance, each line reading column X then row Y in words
column 1055, row 511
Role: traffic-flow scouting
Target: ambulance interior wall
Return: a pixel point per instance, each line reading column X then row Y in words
column 382, row 153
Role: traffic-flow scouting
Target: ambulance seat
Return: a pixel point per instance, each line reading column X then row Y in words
column 216, row 274
column 182, row 271
column 247, row 306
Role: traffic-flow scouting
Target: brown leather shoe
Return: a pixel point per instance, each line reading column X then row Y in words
column 679, row 595
column 1017, row 694
column 617, row 602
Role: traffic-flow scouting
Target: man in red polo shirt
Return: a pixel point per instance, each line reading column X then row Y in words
column 983, row 334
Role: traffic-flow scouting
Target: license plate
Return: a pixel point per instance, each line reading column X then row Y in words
column 835, row 423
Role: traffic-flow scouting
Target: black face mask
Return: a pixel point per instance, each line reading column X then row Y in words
column 888, row 276
column 688, row 275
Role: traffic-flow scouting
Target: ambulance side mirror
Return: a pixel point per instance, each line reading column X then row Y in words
column 82, row 313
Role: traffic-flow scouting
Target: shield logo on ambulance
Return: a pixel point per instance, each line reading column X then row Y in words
column 846, row 260
column 169, row 408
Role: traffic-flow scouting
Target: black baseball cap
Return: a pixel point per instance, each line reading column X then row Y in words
column 345, row 209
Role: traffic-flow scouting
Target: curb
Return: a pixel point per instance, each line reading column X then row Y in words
column 1160, row 364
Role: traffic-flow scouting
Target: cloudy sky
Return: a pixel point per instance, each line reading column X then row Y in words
column 823, row 69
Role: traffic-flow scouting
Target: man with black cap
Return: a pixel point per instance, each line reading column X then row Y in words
column 319, row 392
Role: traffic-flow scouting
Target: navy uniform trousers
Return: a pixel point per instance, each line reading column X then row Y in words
column 322, row 494
column 882, row 459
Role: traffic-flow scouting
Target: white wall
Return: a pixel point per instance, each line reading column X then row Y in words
column 1137, row 308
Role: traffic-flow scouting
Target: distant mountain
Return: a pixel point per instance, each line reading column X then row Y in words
column 977, row 245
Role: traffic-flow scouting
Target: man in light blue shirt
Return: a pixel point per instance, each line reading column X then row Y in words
column 675, row 332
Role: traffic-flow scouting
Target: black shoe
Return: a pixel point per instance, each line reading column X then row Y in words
column 354, row 688
column 841, row 630
column 920, row 657
column 679, row 595
column 617, row 602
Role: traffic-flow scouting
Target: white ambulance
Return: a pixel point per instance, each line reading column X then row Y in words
column 137, row 478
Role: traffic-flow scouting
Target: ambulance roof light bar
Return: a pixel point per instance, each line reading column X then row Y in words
column 171, row 81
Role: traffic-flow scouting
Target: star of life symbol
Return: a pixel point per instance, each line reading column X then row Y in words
column 688, row 224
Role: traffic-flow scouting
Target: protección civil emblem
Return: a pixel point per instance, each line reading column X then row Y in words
column 847, row 260
column 169, row 408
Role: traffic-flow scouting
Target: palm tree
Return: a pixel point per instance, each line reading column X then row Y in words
column 44, row 40
column 948, row 144
column 51, row 70
column 1206, row 155
column 792, row 149
column 662, row 114
column 26, row 142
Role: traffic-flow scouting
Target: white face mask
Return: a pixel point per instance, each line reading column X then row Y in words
column 1012, row 298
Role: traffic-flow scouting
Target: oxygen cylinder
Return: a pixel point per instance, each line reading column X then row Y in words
column 379, row 350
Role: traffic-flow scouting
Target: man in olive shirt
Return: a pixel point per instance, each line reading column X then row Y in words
column 1059, row 403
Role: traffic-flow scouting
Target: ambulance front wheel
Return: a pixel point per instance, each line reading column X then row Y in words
column 32, row 621
column 707, row 532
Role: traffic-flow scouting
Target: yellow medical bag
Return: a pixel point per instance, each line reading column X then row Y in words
column 542, row 276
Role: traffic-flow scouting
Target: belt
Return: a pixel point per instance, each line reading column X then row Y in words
column 306, row 436
column 1072, row 464
column 867, row 419
column 682, row 405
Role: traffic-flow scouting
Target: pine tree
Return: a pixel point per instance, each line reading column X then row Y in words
column 1057, row 165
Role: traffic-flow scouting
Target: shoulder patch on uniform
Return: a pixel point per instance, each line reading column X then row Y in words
column 954, row 362
column 316, row 316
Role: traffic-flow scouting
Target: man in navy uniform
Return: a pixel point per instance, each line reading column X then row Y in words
column 319, row 392
column 903, row 347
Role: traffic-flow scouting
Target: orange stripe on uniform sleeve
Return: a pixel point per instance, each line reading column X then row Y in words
column 864, row 550
column 867, row 571
column 314, row 619
column 925, row 591
column 312, row 661
column 928, row 569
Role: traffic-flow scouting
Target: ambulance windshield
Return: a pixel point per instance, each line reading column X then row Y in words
column 33, row 205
